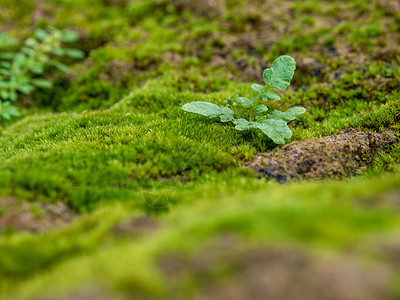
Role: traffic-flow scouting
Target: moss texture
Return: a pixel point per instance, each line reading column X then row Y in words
column 111, row 142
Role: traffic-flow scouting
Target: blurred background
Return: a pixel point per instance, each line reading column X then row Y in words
column 128, row 42
column 108, row 190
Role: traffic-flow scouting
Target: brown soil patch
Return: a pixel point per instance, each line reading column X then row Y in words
column 334, row 156
column 175, row 265
column 261, row 28
column 256, row 27
column 94, row 294
column 136, row 226
column 33, row 217
column 272, row 273
column 115, row 70
column 208, row 8
column 390, row 251
column 43, row 10
column 389, row 199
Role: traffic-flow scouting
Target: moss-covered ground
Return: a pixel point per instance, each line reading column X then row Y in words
column 164, row 207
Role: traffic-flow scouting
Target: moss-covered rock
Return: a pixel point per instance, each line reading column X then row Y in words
column 150, row 202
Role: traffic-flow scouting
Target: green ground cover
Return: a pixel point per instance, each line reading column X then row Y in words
column 149, row 182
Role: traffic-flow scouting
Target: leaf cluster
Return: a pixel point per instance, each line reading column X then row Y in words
column 20, row 70
column 256, row 116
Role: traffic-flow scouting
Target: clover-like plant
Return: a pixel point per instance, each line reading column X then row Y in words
column 256, row 116
column 20, row 71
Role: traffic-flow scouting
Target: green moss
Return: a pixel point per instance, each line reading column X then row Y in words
column 123, row 148
column 97, row 157
column 25, row 254
column 300, row 215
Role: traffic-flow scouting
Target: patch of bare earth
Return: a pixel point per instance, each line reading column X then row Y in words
column 136, row 226
column 266, row 24
column 208, row 8
column 274, row 273
column 92, row 294
column 389, row 250
column 33, row 217
column 115, row 70
column 335, row 156
column 389, row 199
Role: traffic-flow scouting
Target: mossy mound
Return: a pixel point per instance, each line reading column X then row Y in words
column 117, row 193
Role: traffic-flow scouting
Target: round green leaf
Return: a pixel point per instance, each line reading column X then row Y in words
column 281, row 72
column 270, row 96
column 74, row 53
column 202, row 108
column 289, row 115
column 256, row 87
column 242, row 124
column 276, row 130
column 260, row 109
column 245, row 102
column 207, row 109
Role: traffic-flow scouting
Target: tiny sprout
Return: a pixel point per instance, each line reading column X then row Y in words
column 272, row 124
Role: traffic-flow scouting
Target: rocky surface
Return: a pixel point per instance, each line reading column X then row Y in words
column 335, row 156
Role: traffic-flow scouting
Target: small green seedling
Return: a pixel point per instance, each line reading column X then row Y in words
column 273, row 124
column 20, row 71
